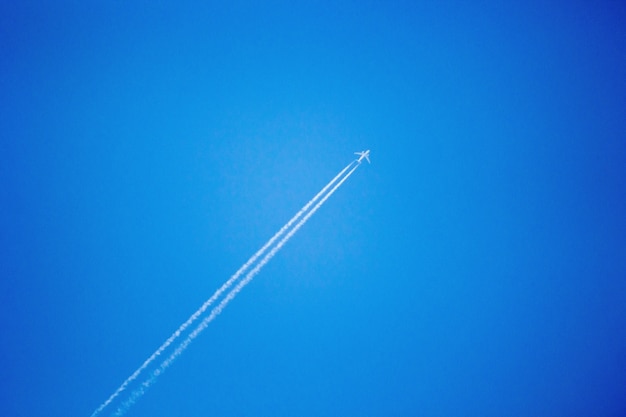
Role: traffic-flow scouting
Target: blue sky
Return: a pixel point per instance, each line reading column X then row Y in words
column 476, row 267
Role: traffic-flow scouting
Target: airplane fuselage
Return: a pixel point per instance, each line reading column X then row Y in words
column 364, row 154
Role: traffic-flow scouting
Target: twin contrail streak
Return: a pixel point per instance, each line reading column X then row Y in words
column 220, row 307
column 232, row 294
column 216, row 295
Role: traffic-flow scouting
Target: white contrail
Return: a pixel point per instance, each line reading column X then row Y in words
column 218, row 309
column 217, row 294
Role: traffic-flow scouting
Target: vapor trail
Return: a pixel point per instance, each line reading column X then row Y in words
column 218, row 309
column 217, row 294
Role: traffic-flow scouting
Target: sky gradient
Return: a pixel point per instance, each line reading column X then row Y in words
column 476, row 267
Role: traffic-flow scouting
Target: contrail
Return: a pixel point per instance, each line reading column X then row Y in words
column 218, row 309
column 217, row 294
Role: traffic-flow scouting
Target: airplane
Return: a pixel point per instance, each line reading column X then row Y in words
column 364, row 154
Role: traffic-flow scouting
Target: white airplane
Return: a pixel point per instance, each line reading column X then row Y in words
column 364, row 154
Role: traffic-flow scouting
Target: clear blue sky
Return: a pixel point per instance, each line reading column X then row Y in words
column 476, row 267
